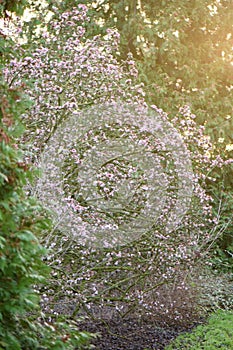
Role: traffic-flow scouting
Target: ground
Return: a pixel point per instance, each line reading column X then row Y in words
column 132, row 334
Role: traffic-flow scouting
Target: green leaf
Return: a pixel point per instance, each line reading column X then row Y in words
column 26, row 236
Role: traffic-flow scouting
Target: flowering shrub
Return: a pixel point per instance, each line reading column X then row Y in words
column 132, row 275
column 93, row 129
column 64, row 72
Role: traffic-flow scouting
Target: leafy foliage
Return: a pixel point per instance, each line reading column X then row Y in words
column 21, row 253
column 216, row 290
column 215, row 334
column 16, row 6
column 183, row 53
column 21, row 266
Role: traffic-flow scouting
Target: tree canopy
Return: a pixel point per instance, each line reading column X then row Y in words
column 183, row 50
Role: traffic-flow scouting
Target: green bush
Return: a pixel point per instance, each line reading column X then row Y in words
column 216, row 334
column 22, row 326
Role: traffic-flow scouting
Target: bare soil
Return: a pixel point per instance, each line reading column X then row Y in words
column 132, row 334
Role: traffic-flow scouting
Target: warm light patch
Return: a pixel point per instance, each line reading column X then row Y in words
column 229, row 147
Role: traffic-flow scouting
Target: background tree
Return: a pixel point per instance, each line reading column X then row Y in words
column 183, row 51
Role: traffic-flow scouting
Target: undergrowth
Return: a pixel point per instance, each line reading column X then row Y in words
column 217, row 333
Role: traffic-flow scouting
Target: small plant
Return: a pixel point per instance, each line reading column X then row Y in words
column 216, row 290
column 216, row 334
